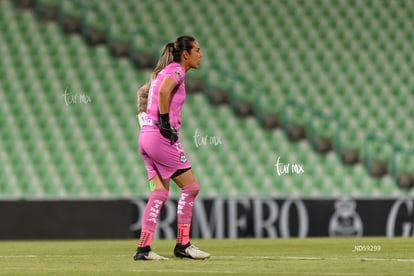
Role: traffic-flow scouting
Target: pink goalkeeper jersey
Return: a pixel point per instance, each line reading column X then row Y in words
column 177, row 73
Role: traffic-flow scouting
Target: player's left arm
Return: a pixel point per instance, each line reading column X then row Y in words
column 164, row 94
column 164, row 97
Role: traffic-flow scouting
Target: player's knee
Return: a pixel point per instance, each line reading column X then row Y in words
column 160, row 195
column 192, row 189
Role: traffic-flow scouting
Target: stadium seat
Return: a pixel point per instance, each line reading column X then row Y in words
column 294, row 51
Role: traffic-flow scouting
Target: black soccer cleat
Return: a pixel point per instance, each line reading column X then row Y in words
column 190, row 251
column 147, row 254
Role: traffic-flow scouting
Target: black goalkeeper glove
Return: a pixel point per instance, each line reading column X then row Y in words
column 166, row 130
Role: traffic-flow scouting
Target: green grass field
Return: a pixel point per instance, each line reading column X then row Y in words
column 313, row 256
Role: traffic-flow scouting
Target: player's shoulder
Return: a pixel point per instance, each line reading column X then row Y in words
column 175, row 69
column 174, row 66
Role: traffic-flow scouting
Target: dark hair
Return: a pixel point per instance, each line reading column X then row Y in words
column 172, row 52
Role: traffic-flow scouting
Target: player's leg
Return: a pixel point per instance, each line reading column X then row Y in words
column 159, row 193
column 185, row 179
column 171, row 162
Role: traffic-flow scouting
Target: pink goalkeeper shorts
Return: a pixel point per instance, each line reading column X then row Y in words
column 160, row 157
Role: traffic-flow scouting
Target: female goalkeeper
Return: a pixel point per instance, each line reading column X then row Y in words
column 160, row 147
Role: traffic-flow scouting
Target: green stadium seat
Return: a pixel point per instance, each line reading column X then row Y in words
column 314, row 52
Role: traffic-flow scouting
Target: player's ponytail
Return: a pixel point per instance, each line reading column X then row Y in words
column 172, row 52
column 165, row 58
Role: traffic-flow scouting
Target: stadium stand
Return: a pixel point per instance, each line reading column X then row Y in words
column 338, row 78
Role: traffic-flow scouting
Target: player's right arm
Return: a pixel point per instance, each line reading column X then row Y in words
column 142, row 100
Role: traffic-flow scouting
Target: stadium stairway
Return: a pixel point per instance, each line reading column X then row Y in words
column 84, row 148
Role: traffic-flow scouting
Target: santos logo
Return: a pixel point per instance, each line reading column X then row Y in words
column 345, row 221
column 400, row 220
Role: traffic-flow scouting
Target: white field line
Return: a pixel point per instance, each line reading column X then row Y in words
column 238, row 272
column 268, row 257
column 17, row 256
column 384, row 259
column 186, row 271
column 274, row 258
column 308, row 258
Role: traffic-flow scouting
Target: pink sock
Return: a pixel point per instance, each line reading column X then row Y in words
column 150, row 216
column 185, row 211
column 183, row 233
column 145, row 238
